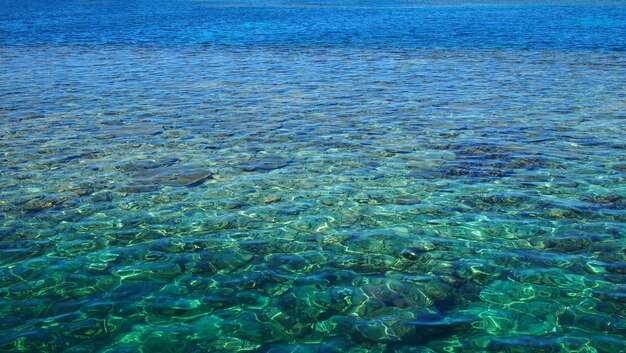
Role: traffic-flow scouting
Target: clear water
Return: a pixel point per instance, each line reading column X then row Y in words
column 312, row 176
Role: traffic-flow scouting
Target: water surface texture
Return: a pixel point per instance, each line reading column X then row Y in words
column 312, row 176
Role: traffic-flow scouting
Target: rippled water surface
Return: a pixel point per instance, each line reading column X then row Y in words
column 312, row 176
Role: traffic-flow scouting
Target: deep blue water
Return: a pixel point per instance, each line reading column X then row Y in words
column 390, row 24
column 312, row 176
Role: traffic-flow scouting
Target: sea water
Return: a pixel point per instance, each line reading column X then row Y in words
column 312, row 176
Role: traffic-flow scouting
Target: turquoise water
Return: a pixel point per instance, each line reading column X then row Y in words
column 301, row 176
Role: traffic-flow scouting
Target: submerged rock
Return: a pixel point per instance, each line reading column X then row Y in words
column 326, row 201
column 139, row 165
column 438, row 320
column 41, row 203
column 86, row 329
column 521, row 344
column 390, row 326
column 411, row 254
column 603, row 198
column 367, row 264
column 229, row 344
column 564, row 243
column 34, row 340
column 396, row 293
column 406, row 201
column 265, row 164
column 272, row 198
column 179, row 176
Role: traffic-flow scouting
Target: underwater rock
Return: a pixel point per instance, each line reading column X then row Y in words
column 162, row 308
column 367, row 264
column 412, row 349
column 439, row 291
column 396, row 293
column 84, row 188
column 34, row 340
column 41, row 203
column 232, row 205
column 327, row 201
column 406, row 201
column 178, row 175
column 286, row 262
column 265, row 164
column 296, row 302
column 10, row 254
column 148, row 271
column 25, row 289
column 548, row 277
column 292, row 210
column 479, row 273
column 503, row 199
column 429, row 324
column 260, row 331
column 162, row 338
column 267, row 282
column 8, row 277
column 376, row 243
column 610, row 201
column 549, row 312
column 563, row 212
column 567, row 244
column 229, row 344
column 86, row 329
column 337, row 325
column 130, row 236
column 188, row 178
column 99, row 307
column 139, row 165
column 183, row 245
column 77, row 247
column 475, row 171
column 138, row 189
column 327, row 347
column 522, row 344
column 273, row 245
column 526, row 163
column 411, row 254
column 252, row 299
column 603, row 198
column 361, row 197
column 214, row 261
column 107, row 283
column 390, row 326
column 294, row 326
column 102, row 196
column 272, row 198
column 329, row 239
column 504, row 292
column 216, row 298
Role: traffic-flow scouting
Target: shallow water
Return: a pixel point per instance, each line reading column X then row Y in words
column 312, row 177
